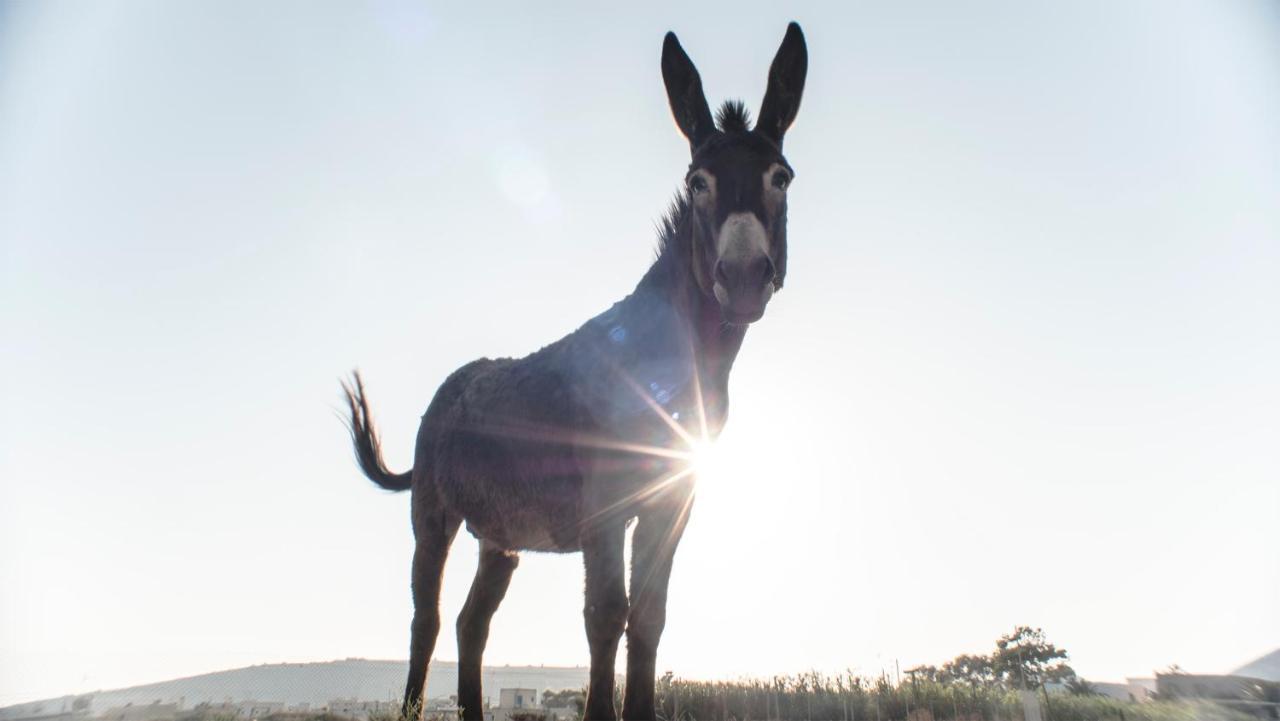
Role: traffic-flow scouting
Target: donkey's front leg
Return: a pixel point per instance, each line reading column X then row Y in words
column 605, row 613
column 653, row 545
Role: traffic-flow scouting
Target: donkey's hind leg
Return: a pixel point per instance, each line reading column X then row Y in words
column 487, row 590
column 434, row 532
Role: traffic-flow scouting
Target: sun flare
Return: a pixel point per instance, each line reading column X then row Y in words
column 708, row 464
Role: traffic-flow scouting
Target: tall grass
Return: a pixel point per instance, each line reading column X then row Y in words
column 846, row 697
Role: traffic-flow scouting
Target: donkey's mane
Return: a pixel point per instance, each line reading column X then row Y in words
column 669, row 226
column 670, row 257
column 733, row 117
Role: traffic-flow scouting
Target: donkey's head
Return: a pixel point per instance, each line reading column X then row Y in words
column 737, row 182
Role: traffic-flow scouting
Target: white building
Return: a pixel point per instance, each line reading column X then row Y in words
column 516, row 703
column 518, row 698
column 352, row 708
column 143, row 712
column 1141, row 689
column 258, row 709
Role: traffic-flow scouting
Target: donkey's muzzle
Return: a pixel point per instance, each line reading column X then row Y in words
column 744, row 272
column 744, row 286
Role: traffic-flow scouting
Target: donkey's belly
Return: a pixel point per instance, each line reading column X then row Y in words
column 520, row 515
column 527, row 534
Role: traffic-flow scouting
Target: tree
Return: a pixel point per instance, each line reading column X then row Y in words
column 565, row 698
column 1025, row 659
column 923, row 673
column 973, row 669
column 1077, row 686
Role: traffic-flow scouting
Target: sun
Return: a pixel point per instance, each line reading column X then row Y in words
column 708, row 463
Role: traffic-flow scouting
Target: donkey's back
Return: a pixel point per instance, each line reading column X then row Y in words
column 495, row 448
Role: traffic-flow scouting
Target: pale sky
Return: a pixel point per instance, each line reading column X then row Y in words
column 1025, row 369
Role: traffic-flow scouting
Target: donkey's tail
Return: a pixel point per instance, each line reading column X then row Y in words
column 365, row 438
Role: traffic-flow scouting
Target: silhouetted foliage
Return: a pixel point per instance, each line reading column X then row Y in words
column 1080, row 687
column 565, row 698
column 1025, row 659
column 972, row 669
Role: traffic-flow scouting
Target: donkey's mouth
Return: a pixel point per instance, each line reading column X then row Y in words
column 740, row 316
column 739, row 310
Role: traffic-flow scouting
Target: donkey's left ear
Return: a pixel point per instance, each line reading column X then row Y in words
column 786, row 84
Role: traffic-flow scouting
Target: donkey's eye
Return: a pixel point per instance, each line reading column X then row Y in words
column 698, row 184
column 781, row 179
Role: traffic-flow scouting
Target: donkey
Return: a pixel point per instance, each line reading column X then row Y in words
column 561, row 450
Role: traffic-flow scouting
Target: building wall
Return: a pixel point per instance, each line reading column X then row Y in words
column 146, row 712
column 515, row 698
column 1228, row 688
column 1141, row 689
column 353, row 708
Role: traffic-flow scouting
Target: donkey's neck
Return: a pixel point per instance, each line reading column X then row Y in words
column 697, row 317
column 676, row 323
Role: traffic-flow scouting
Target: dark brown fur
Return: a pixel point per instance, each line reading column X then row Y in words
column 558, row 451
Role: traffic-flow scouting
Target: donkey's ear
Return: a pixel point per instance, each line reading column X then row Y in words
column 684, row 91
column 786, row 84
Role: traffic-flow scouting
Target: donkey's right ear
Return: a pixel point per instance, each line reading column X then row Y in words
column 684, row 92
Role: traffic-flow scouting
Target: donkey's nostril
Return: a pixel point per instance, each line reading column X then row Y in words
column 722, row 274
column 748, row 274
column 766, row 270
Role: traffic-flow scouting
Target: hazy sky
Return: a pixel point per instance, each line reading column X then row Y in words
column 1025, row 370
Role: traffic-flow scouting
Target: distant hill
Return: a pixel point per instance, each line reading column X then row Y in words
column 312, row 683
column 1266, row 667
